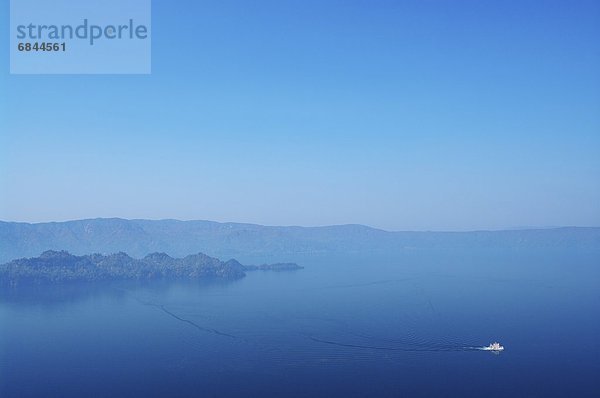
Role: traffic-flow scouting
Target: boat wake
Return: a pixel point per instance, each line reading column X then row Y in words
column 179, row 318
column 387, row 348
column 194, row 324
column 405, row 343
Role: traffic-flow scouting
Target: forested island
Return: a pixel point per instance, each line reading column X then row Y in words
column 61, row 266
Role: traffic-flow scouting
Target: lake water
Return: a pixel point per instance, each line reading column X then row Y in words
column 348, row 326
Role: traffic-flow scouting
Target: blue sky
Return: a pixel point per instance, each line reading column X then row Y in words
column 395, row 114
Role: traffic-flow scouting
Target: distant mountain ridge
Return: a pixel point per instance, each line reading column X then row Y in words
column 180, row 238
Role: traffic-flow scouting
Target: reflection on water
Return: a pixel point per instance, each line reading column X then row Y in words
column 410, row 324
column 49, row 295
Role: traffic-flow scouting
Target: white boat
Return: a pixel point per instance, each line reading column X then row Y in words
column 494, row 347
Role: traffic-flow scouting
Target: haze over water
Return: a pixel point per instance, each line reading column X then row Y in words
column 401, row 325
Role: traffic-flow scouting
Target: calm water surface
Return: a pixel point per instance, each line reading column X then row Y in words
column 349, row 326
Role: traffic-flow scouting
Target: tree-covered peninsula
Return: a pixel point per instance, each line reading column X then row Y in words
column 61, row 266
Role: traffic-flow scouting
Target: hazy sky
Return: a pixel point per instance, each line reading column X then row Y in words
column 396, row 114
